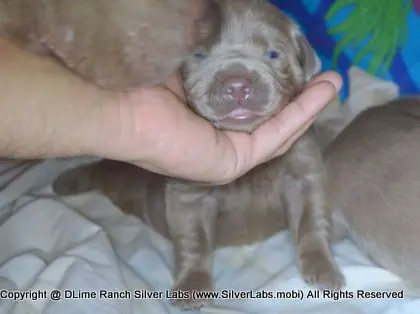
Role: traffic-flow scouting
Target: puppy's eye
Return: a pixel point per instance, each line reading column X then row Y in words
column 272, row 54
column 200, row 55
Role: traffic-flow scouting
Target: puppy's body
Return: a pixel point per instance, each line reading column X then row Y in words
column 373, row 181
column 267, row 200
column 374, row 172
column 114, row 44
column 250, row 212
column 237, row 81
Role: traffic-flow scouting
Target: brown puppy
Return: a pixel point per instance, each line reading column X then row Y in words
column 114, row 44
column 374, row 172
column 257, row 65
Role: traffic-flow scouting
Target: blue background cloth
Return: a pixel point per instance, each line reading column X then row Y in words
column 389, row 19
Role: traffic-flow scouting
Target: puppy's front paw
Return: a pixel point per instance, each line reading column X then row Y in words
column 191, row 291
column 320, row 271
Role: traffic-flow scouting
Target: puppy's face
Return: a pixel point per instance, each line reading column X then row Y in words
column 255, row 65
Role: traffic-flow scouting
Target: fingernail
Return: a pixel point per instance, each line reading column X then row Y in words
column 335, row 79
column 329, row 77
column 331, row 85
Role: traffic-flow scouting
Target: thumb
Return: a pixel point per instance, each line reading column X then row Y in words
column 269, row 139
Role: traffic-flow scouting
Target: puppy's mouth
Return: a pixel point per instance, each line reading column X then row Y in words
column 241, row 116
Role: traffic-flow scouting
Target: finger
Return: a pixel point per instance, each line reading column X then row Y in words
column 151, row 167
column 329, row 76
column 291, row 140
column 277, row 131
column 280, row 151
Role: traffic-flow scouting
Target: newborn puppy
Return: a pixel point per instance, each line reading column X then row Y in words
column 247, row 73
column 113, row 44
column 257, row 64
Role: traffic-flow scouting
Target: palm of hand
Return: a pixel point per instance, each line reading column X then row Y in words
column 160, row 133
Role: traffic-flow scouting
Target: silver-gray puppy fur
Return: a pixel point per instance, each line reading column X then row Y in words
column 374, row 175
column 113, row 44
column 258, row 64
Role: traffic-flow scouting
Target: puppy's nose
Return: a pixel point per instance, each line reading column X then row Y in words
column 238, row 88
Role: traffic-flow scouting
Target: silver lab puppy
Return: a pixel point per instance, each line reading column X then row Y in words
column 248, row 73
column 114, row 44
column 374, row 171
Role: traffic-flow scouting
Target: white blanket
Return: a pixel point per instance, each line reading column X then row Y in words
column 81, row 245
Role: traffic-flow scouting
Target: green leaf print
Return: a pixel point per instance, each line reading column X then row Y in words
column 374, row 27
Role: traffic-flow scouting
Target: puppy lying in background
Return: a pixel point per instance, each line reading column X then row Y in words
column 374, row 175
column 113, row 44
column 258, row 63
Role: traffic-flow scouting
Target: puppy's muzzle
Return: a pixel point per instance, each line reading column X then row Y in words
column 240, row 92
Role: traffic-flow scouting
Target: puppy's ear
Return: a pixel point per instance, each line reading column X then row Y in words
column 310, row 62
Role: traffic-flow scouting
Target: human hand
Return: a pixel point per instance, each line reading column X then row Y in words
column 151, row 128
column 154, row 129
